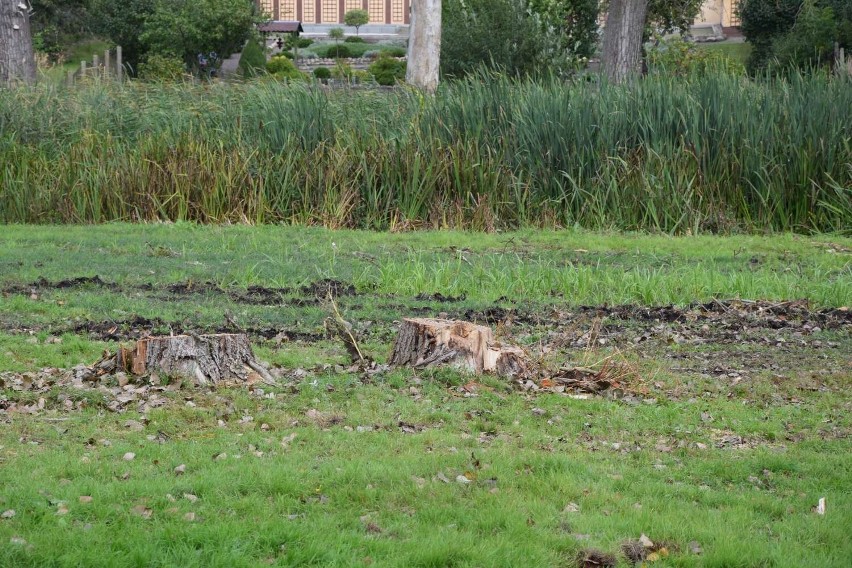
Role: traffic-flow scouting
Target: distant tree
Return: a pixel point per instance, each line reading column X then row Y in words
column 795, row 33
column 356, row 19
column 189, row 27
column 336, row 34
column 252, row 59
column 121, row 22
column 17, row 59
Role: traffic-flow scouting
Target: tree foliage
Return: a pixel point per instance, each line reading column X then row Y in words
column 189, row 27
column 252, row 59
column 181, row 28
column 499, row 33
column 795, row 33
column 356, row 19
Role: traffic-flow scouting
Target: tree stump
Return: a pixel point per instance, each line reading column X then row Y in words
column 205, row 359
column 423, row 343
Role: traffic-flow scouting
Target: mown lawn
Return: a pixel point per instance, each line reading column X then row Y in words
column 731, row 422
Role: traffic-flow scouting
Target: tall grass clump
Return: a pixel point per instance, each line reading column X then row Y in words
column 712, row 152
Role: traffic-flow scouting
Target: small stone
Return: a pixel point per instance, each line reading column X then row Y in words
column 18, row 541
column 8, row 514
column 694, row 547
column 538, row 411
column 189, row 516
column 462, row 479
column 571, row 508
column 180, row 470
column 129, row 456
column 190, row 497
column 85, row 499
column 646, row 542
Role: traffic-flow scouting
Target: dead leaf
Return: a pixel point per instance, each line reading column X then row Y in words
column 571, row 508
column 189, row 516
column 18, row 540
column 462, row 479
column 694, row 547
column 190, row 497
column 62, row 509
column 134, row 425
column 419, row 481
column 85, row 499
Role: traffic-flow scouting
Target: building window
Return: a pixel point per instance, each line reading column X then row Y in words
column 376, row 8
column 266, row 8
column 397, row 7
column 329, row 11
column 353, row 5
column 288, row 10
column 308, row 11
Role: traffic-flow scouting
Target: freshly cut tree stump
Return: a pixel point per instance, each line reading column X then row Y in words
column 205, row 359
column 425, row 342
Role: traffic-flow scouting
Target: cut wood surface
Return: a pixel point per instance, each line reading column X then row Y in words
column 205, row 359
column 423, row 342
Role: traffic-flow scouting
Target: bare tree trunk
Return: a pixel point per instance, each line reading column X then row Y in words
column 622, row 42
column 424, row 45
column 17, row 61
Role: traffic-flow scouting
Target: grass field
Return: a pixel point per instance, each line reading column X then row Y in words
column 731, row 421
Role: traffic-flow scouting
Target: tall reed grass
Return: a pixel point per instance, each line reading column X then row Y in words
column 718, row 153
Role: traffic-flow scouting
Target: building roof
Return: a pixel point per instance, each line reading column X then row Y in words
column 280, row 26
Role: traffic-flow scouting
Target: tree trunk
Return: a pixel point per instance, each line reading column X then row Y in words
column 17, row 60
column 205, row 359
column 424, row 45
column 622, row 41
column 424, row 343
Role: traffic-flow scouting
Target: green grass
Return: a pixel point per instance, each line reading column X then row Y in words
column 350, row 487
column 681, row 155
column 738, row 52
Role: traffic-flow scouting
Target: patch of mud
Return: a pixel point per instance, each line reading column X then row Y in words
column 329, row 287
column 438, row 297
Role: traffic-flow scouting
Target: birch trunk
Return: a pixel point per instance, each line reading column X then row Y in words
column 622, row 41
column 17, row 60
column 424, row 45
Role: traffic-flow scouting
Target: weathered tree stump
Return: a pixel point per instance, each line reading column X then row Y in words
column 205, row 359
column 424, row 343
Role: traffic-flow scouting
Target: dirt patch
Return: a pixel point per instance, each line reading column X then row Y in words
column 329, row 287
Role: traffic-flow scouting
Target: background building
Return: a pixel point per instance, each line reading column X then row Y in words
column 332, row 11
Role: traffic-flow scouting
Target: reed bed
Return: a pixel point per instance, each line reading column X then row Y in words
column 716, row 153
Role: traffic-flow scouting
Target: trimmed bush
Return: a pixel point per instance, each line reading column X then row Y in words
column 304, row 42
column 396, row 52
column 283, row 68
column 322, row 73
column 387, row 70
column 338, row 52
column 354, row 39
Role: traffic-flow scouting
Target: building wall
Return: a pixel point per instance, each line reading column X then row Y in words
column 720, row 12
column 332, row 11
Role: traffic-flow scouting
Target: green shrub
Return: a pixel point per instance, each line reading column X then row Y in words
column 285, row 53
column 354, row 39
column 395, row 52
column 338, row 52
column 322, row 73
column 387, row 70
column 304, row 42
column 252, row 59
column 283, row 68
column 794, row 33
column 162, row 69
column 342, row 71
column 680, row 58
